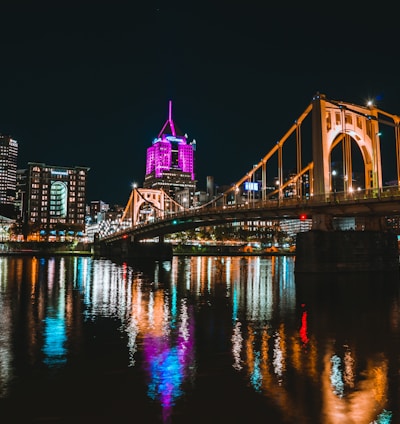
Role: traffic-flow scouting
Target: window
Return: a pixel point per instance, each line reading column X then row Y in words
column 59, row 199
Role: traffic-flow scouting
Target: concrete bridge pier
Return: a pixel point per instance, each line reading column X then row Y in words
column 369, row 247
column 324, row 222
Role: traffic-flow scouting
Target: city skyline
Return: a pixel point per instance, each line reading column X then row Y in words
column 89, row 85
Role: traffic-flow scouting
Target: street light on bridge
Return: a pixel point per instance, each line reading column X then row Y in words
column 334, row 173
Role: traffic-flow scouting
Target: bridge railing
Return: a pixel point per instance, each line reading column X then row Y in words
column 340, row 196
column 387, row 192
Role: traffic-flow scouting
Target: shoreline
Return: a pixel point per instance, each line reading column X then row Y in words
column 87, row 249
column 44, row 253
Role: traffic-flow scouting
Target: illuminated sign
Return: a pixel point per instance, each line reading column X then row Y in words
column 176, row 139
column 170, row 138
column 59, row 172
column 251, row 186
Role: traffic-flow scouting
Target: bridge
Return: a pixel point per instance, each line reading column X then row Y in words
column 314, row 187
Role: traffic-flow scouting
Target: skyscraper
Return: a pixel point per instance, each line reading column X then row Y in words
column 54, row 199
column 170, row 163
column 8, row 175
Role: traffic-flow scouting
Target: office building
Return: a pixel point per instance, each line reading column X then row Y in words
column 8, row 175
column 53, row 201
column 97, row 210
column 170, row 163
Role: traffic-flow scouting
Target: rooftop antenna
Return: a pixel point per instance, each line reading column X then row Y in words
column 169, row 121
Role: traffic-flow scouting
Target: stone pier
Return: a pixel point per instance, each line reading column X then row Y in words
column 346, row 251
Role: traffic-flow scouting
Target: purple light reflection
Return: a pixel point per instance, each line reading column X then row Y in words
column 169, row 358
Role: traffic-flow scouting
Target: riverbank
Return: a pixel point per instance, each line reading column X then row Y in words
column 86, row 249
column 228, row 250
column 12, row 248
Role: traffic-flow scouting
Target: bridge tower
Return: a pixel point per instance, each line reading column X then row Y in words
column 334, row 122
column 370, row 249
column 146, row 205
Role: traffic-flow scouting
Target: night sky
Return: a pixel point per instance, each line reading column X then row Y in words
column 88, row 83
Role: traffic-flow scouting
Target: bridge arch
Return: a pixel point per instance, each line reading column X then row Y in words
column 146, row 205
column 338, row 122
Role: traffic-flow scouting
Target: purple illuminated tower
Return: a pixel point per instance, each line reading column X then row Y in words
column 170, row 163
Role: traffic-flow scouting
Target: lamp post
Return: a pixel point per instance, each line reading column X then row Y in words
column 334, row 173
column 277, row 184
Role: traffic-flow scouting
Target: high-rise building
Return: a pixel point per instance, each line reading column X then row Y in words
column 53, row 200
column 170, row 162
column 8, row 175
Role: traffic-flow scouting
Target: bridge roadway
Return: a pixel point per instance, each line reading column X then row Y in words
column 357, row 204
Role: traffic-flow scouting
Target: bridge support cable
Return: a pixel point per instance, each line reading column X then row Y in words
column 299, row 191
column 128, row 211
column 347, row 164
column 294, row 179
column 396, row 125
column 263, row 162
column 346, row 154
column 264, row 182
column 376, row 160
column 397, row 137
column 280, row 172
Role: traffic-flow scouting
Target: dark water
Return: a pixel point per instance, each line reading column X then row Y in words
column 196, row 340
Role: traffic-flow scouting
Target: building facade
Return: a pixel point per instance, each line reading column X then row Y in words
column 53, row 201
column 170, row 163
column 8, row 175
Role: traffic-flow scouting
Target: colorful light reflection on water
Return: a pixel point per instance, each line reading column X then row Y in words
column 330, row 353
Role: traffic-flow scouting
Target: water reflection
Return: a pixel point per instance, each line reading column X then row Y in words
column 55, row 329
column 350, row 318
column 328, row 346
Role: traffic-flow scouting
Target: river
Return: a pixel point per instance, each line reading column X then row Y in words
column 211, row 339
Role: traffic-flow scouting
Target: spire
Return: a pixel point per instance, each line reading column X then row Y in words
column 169, row 123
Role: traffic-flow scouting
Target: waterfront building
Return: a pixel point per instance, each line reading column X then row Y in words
column 102, row 220
column 53, row 201
column 96, row 210
column 8, row 175
column 170, row 163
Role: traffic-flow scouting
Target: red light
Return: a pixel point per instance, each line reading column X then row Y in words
column 303, row 328
column 303, row 217
column 125, row 236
